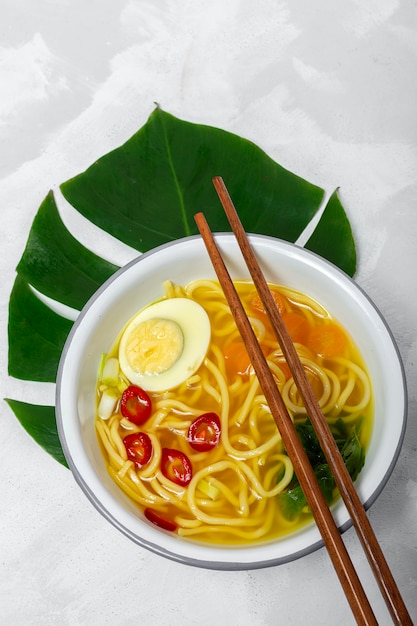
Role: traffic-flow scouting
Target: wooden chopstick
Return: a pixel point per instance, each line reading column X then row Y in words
column 348, row 577
column 341, row 475
column 302, row 467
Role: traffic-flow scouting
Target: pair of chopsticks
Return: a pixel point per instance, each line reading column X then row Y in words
column 332, row 539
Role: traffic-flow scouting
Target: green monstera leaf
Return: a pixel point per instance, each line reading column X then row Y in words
column 39, row 422
column 145, row 193
column 56, row 264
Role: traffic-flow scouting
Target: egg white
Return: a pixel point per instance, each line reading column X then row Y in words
column 195, row 327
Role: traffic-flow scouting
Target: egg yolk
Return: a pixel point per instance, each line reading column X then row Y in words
column 154, row 346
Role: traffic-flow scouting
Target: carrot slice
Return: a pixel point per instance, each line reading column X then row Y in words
column 327, row 341
column 297, row 326
column 280, row 300
column 237, row 359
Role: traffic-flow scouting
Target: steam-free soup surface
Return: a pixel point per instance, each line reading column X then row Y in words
column 199, row 452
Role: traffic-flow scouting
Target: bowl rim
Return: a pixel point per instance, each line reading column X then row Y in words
column 231, row 558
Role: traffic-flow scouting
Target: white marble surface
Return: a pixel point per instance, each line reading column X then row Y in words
column 329, row 90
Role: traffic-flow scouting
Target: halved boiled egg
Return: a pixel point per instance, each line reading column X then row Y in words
column 164, row 344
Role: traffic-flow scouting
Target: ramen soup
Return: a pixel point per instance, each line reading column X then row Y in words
column 185, row 429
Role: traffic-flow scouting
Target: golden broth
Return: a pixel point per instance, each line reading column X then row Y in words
column 233, row 496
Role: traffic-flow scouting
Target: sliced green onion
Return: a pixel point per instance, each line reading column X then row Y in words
column 101, row 365
column 208, row 489
column 107, row 404
column 110, row 373
column 122, row 385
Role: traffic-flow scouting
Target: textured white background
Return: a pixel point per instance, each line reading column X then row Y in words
column 329, row 90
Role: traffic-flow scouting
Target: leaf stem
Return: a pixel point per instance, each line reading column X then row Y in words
column 175, row 177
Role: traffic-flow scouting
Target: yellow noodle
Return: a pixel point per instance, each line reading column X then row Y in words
column 225, row 491
column 290, row 392
column 157, row 419
column 248, row 535
column 193, row 380
column 258, row 328
column 335, row 390
column 215, row 519
column 142, row 487
column 176, row 425
column 167, row 495
column 244, row 508
column 261, row 422
column 132, row 492
column 175, row 405
column 269, row 493
column 244, row 411
column 124, row 469
column 233, row 452
column 248, row 469
column 278, row 373
column 152, row 467
column 212, row 391
column 127, row 425
column 304, row 301
column 244, row 441
column 194, row 394
column 187, row 522
column 334, row 409
column 108, row 445
column 209, row 286
column 216, row 353
column 207, row 504
column 366, row 397
column 169, row 289
column 117, row 440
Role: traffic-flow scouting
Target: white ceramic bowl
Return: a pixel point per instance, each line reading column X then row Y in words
column 139, row 283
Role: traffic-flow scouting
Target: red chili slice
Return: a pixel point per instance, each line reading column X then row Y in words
column 176, row 466
column 204, row 432
column 160, row 521
column 136, row 405
column 139, row 448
